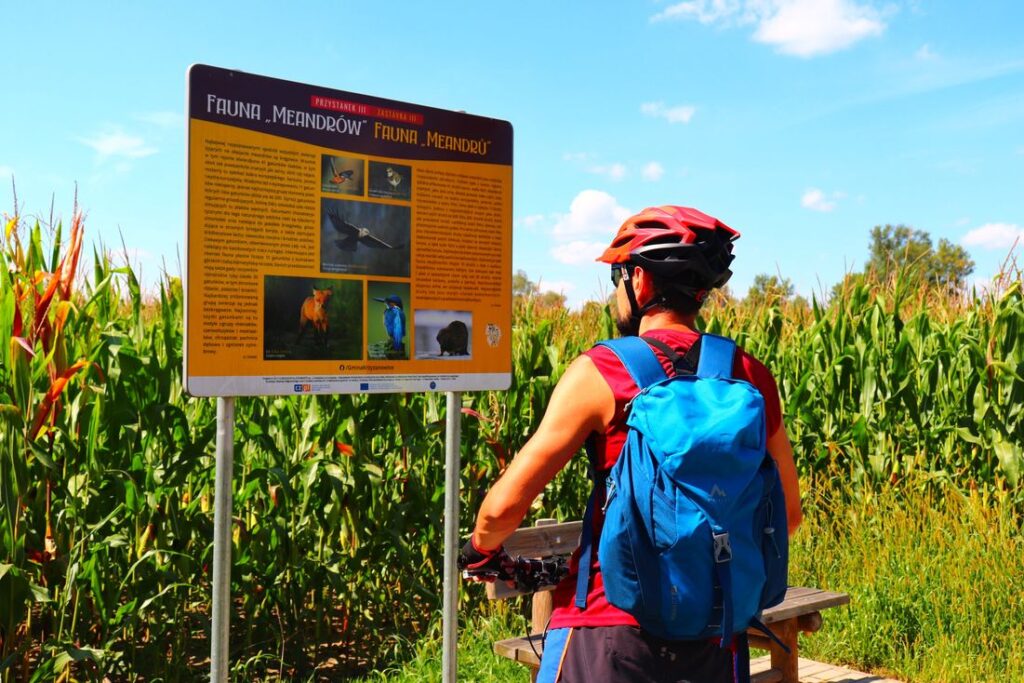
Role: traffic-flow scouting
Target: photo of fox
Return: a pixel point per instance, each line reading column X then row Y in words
column 312, row 318
column 314, row 313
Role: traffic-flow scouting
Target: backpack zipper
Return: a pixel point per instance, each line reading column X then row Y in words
column 770, row 530
column 608, row 495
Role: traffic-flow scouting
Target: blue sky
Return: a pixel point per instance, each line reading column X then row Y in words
column 801, row 123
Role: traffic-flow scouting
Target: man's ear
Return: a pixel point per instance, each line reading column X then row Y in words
column 643, row 286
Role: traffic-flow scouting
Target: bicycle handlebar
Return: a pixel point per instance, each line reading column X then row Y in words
column 528, row 574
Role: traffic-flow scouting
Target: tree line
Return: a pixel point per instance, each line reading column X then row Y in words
column 892, row 248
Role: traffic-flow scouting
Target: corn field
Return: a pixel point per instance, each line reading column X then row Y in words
column 107, row 468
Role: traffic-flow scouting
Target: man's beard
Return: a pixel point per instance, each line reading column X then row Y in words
column 628, row 326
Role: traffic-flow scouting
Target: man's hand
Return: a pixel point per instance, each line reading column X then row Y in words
column 484, row 565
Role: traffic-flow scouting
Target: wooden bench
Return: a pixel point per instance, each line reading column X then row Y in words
column 799, row 612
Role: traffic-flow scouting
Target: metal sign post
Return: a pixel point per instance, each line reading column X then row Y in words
column 221, row 622
column 452, row 470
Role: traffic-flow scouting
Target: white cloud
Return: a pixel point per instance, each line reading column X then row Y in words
column 678, row 114
column 614, row 171
column 533, row 220
column 994, row 236
column 925, row 53
column 816, row 200
column 116, row 143
column 163, row 119
column 653, row 171
column 578, row 157
column 704, row 11
column 577, row 252
column 556, row 286
column 805, row 28
column 591, row 212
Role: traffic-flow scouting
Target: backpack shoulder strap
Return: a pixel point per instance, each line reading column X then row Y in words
column 638, row 358
column 682, row 365
column 716, row 357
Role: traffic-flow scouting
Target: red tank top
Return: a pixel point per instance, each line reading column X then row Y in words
column 599, row 612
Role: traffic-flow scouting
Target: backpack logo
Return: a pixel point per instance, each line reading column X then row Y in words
column 717, row 492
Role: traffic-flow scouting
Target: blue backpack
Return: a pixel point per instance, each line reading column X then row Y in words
column 694, row 543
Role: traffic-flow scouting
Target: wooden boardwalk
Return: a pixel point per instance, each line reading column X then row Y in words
column 819, row 672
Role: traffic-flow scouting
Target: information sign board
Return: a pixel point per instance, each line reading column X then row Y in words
column 343, row 243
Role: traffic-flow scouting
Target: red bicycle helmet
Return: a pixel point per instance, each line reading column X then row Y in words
column 677, row 243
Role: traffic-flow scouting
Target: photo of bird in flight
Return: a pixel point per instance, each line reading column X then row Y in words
column 339, row 177
column 353, row 236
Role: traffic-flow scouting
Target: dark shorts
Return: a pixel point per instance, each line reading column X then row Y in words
column 626, row 653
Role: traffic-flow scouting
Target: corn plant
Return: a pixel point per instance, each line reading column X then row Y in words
column 106, row 474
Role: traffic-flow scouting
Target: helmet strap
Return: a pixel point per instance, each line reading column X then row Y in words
column 630, row 327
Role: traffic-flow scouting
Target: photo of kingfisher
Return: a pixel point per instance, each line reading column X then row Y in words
column 387, row 330
column 394, row 321
column 342, row 175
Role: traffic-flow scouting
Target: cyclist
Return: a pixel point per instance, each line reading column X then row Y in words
column 664, row 261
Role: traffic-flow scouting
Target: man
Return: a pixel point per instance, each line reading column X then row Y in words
column 664, row 261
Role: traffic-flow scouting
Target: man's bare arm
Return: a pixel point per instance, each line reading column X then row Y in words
column 782, row 451
column 581, row 403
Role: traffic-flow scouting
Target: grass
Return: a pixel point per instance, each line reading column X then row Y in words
column 476, row 658
column 934, row 581
column 934, row 585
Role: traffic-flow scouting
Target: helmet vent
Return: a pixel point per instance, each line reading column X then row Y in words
column 651, row 225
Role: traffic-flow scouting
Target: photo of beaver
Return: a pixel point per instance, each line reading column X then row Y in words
column 387, row 326
column 390, row 181
column 312, row 318
column 364, row 238
column 341, row 175
column 454, row 339
column 443, row 334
